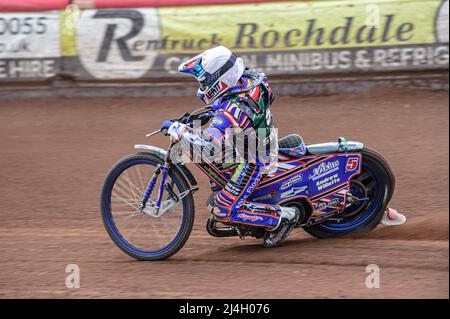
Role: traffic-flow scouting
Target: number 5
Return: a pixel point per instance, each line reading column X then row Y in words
column 352, row 164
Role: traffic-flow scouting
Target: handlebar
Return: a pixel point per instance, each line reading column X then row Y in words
column 204, row 116
column 188, row 119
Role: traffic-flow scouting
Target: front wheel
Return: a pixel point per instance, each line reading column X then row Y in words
column 143, row 233
column 375, row 182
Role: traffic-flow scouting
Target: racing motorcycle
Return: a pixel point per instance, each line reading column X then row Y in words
column 147, row 202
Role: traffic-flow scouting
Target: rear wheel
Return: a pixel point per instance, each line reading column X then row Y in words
column 376, row 182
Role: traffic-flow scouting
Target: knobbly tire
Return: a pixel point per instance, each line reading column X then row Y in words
column 114, row 232
column 378, row 171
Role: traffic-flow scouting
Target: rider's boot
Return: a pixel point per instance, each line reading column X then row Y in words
column 289, row 218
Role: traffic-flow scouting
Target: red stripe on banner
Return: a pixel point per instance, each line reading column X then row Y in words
column 32, row 5
column 164, row 3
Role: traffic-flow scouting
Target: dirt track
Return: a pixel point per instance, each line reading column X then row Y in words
column 55, row 154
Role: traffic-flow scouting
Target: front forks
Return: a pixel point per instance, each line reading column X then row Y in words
column 151, row 185
column 159, row 208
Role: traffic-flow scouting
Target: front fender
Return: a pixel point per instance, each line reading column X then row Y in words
column 161, row 153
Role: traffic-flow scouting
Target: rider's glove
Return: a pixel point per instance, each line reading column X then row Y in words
column 174, row 129
column 165, row 126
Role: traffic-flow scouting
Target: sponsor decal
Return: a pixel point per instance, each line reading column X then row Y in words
column 29, row 45
column 217, row 121
column 327, row 182
column 327, row 204
column 239, row 203
column 292, row 181
column 118, row 43
column 252, row 218
column 233, row 190
column 332, row 204
column 248, row 191
column 252, row 185
column 330, row 37
column 269, row 195
column 352, row 164
column 293, row 192
column 325, row 167
column 320, row 206
column 216, row 177
column 257, row 208
column 327, row 24
column 297, row 151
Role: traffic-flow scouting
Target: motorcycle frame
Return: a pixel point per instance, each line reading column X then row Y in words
column 301, row 164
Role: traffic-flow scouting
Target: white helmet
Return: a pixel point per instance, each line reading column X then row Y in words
column 216, row 69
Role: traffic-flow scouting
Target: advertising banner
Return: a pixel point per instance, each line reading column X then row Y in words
column 329, row 36
column 279, row 38
column 29, row 46
column 318, row 37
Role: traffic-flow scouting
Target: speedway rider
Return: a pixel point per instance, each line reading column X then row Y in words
column 240, row 99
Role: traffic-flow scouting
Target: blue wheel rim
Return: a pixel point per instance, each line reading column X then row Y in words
column 363, row 217
column 111, row 225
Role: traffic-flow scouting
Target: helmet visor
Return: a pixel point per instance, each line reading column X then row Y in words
column 194, row 67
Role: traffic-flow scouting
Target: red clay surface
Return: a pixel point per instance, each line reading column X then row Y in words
column 55, row 155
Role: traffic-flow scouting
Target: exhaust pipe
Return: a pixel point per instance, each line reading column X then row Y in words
column 215, row 231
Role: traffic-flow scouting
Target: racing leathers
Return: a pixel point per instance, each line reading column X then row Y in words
column 241, row 119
